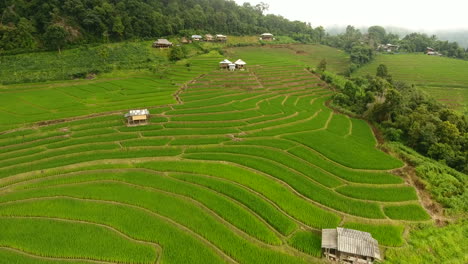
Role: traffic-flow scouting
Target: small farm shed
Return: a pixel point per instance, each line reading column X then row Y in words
column 388, row 47
column 267, row 37
column 432, row 52
column 345, row 245
column 162, row 43
column 225, row 64
column 209, row 37
column 240, row 64
column 232, row 67
column 196, row 37
column 221, row 38
column 137, row 117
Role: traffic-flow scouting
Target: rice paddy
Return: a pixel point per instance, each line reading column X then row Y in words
column 235, row 167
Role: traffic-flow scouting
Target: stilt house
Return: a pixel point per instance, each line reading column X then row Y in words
column 225, row 64
column 344, row 245
column 267, row 37
column 162, row 43
column 196, row 37
column 221, row 38
column 240, row 64
column 137, row 117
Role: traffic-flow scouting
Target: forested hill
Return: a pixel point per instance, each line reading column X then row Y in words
column 30, row 24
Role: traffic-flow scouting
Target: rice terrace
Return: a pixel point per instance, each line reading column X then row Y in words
column 235, row 167
column 216, row 131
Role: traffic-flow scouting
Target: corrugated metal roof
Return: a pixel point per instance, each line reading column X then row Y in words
column 240, row 62
column 351, row 241
column 267, row 34
column 226, row 61
column 329, row 238
column 137, row 112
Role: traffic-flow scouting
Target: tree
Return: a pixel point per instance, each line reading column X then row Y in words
column 382, row 71
column 377, row 34
column 322, row 66
column 177, row 53
column 55, row 37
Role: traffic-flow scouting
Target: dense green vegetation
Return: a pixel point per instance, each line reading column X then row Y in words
column 29, row 25
column 430, row 244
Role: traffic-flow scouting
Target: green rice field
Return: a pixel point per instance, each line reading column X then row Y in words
column 234, row 167
column 444, row 78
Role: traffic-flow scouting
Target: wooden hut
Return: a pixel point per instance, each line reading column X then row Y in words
column 349, row 246
column 196, row 37
column 225, row 64
column 240, row 64
column 137, row 117
column 221, row 38
column 267, row 37
column 209, row 37
column 162, row 43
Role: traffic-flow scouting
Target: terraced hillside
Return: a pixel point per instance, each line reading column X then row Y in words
column 247, row 167
column 444, row 78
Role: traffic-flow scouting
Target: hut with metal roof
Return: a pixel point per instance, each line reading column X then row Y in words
column 225, row 64
column 196, row 37
column 267, row 37
column 162, row 43
column 137, row 117
column 349, row 246
column 221, row 38
column 240, row 64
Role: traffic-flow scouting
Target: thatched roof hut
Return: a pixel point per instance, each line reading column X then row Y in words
column 162, row 43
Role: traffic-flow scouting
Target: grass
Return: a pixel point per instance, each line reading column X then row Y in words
column 132, row 221
column 384, row 194
column 410, row 212
column 387, row 235
column 268, row 212
column 302, row 185
column 225, row 208
column 347, row 151
column 307, row 242
column 442, row 77
column 64, row 239
column 431, row 244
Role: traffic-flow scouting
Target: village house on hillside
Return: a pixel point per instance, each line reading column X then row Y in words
column 137, row 117
column 209, row 37
column 349, row 246
column 240, row 64
column 162, row 43
column 432, row 52
column 221, row 38
column 196, row 37
column 267, row 37
column 388, row 47
column 225, row 64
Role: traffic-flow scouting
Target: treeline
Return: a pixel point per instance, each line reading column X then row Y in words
column 362, row 46
column 54, row 24
column 407, row 115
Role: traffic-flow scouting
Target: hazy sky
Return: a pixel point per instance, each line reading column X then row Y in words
column 412, row 14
